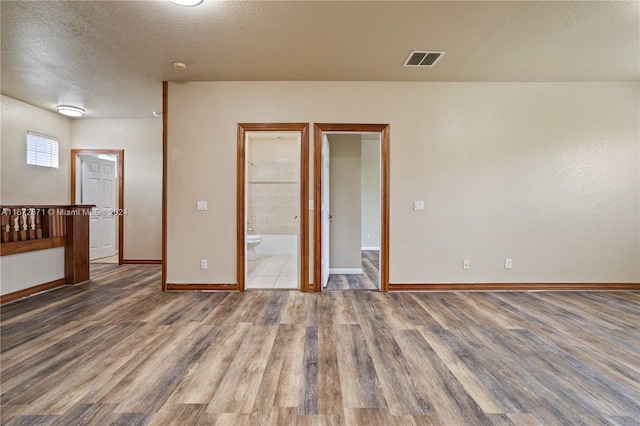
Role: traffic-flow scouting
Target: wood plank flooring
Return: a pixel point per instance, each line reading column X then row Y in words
column 119, row 351
column 369, row 280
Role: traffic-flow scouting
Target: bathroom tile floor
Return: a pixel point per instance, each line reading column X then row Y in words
column 272, row 271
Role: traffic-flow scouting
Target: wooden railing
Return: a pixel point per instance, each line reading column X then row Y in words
column 31, row 228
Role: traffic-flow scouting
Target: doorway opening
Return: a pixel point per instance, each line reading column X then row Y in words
column 351, row 198
column 272, row 206
column 97, row 177
column 351, row 221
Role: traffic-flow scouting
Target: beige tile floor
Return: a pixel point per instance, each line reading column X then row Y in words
column 275, row 271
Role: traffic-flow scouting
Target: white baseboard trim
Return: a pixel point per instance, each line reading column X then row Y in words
column 346, row 271
column 370, row 248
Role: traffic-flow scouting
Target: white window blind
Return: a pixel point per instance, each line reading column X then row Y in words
column 42, row 150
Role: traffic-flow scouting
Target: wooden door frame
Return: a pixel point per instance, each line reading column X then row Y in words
column 319, row 130
column 120, row 154
column 303, row 128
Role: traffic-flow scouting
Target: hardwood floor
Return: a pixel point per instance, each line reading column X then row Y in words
column 110, row 259
column 369, row 280
column 119, row 351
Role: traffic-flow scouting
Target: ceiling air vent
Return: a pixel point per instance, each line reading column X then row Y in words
column 422, row 58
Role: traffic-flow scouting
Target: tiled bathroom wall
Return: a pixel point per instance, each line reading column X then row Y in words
column 273, row 195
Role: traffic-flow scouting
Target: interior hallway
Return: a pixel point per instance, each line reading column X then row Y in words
column 117, row 350
column 369, row 280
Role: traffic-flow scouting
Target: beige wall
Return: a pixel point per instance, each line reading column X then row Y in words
column 141, row 140
column 543, row 173
column 273, row 193
column 24, row 184
column 345, row 202
column 370, row 197
column 17, row 271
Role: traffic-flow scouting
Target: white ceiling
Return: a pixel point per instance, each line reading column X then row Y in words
column 110, row 57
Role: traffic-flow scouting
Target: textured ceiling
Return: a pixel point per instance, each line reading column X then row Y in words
column 110, row 57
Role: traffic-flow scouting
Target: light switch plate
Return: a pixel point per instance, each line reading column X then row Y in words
column 310, row 204
column 418, row 205
column 202, row 205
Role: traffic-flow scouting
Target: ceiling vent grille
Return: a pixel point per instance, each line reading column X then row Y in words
column 422, row 58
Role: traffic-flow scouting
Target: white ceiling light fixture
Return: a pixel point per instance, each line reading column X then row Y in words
column 187, row 2
column 70, row 111
column 180, row 66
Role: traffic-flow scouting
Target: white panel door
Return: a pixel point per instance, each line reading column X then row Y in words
column 326, row 211
column 99, row 184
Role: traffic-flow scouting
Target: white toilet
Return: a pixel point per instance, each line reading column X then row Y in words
column 252, row 242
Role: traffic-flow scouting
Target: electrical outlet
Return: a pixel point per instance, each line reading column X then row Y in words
column 507, row 263
column 203, row 263
column 465, row 264
column 418, row 205
column 201, row 205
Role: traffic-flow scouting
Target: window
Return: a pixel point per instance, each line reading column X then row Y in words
column 42, row 150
